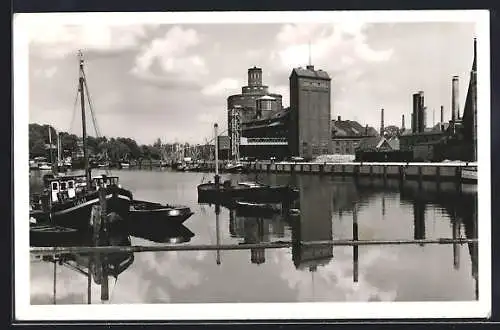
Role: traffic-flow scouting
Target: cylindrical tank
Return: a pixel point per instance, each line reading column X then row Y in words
column 265, row 106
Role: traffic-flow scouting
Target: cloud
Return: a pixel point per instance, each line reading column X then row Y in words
column 170, row 53
column 222, row 87
column 345, row 41
column 54, row 41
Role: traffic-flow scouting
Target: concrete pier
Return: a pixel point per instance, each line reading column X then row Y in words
column 453, row 172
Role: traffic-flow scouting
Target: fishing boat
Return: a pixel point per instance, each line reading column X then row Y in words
column 69, row 199
column 214, row 192
column 147, row 212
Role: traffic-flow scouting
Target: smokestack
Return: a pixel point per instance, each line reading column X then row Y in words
column 414, row 115
column 421, row 112
column 454, row 99
column 382, row 122
column 403, row 122
column 424, row 118
column 366, row 130
column 442, row 115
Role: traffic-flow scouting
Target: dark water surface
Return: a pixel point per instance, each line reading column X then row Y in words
column 446, row 272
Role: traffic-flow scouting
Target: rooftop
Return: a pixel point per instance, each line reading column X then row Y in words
column 310, row 73
column 347, row 128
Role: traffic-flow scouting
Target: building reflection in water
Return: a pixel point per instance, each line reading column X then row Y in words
column 313, row 224
column 257, row 228
column 320, row 198
column 460, row 205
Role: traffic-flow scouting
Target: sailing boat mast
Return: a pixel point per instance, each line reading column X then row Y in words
column 84, row 126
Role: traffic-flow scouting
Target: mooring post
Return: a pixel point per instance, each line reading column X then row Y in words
column 217, row 232
column 95, row 223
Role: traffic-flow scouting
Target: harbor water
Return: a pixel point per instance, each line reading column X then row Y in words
column 330, row 208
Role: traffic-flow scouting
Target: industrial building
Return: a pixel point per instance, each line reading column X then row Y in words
column 455, row 139
column 254, row 103
column 347, row 134
column 309, row 134
column 258, row 127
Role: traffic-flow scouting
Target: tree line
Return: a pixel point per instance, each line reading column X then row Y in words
column 113, row 149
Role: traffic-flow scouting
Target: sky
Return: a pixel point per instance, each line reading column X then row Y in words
column 171, row 81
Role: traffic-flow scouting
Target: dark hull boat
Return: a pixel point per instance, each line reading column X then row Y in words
column 245, row 191
column 149, row 213
column 69, row 200
column 75, row 213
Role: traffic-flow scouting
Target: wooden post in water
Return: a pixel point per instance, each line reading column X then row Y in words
column 217, row 232
column 89, row 281
column 456, row 246
column 55, row 268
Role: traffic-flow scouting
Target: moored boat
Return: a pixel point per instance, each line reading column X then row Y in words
column 214, row 192
column 69, row 199
column 146, row 212
column 246, row 191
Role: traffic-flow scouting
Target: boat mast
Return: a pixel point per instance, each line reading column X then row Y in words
column 50, row 145
column 84, row 126
column 58, row 148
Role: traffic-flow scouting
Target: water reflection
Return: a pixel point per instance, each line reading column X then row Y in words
column 330, row 209
column 98, row 268
column 321, row 203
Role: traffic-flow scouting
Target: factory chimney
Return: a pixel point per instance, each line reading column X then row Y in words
column 421, row 112
column 442, row 115
column 403, row 122
column 382, row 122
column 454, row 99
column 424, row 118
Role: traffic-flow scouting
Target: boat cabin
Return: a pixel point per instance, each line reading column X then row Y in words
column 68, row 187
column 62, row 188
column 104, row 181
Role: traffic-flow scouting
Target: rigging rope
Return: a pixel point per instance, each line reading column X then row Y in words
column 94, row 120
column 74, row 109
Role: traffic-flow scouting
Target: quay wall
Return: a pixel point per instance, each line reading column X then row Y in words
column 404, row 171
